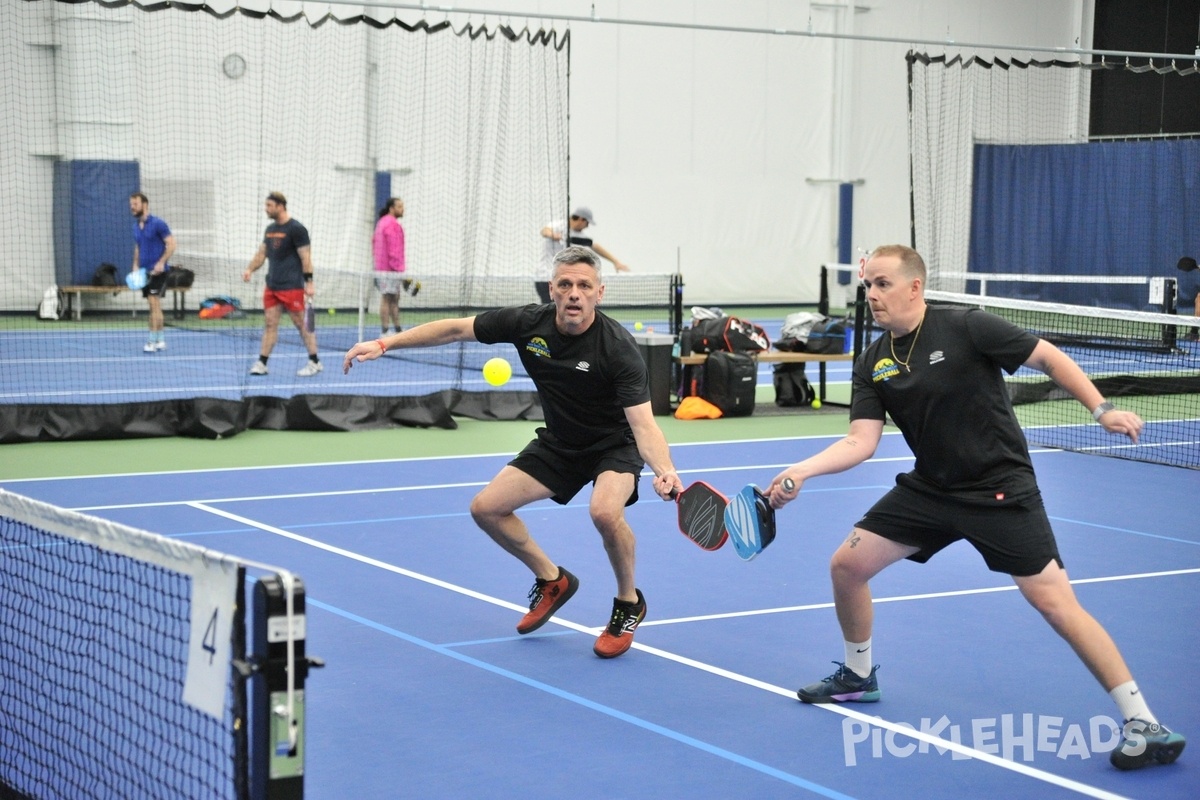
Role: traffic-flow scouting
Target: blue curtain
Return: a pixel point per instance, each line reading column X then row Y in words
column 1102, row 209
column 92, row 225
column 383, row 191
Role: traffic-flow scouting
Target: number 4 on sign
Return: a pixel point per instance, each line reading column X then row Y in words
column 210, row 652
column 209, row 643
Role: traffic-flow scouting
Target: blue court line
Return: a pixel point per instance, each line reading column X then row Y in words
column 1124, row 530
column 794, row 780
column 498, row 639
column 556, row 507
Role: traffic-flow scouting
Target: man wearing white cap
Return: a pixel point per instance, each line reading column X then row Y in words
column 560, row 234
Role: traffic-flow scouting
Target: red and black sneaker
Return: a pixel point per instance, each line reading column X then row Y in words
column 545, row 598
column 618, row 636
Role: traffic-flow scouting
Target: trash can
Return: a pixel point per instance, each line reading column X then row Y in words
column 656, row 352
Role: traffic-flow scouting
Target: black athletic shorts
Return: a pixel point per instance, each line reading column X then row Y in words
column 156, row 285
column 1012, row 534
column 565, row 470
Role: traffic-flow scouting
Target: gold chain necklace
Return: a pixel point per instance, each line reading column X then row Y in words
column 911, row 348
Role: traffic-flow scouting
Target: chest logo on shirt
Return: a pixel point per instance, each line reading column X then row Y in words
column 936, row 356
column 537, row 345
column 884, row 369
column 583, row 366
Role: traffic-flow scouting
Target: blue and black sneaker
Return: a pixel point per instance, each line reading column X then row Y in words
column 843, row 686
column 1145, row 743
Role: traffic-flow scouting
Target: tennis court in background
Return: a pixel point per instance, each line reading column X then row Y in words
column 428, row 691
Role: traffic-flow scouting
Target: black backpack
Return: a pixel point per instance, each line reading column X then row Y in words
column 105, row 275
column 827, row 337
column 791, row 385
column 729, row 382
column 180, row 278
column 728, row 334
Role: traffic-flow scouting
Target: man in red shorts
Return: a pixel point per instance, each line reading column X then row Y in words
column 285, row 248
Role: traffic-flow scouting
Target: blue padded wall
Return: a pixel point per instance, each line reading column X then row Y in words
column 383, row 190
column 91, row 217
column 1108, row 208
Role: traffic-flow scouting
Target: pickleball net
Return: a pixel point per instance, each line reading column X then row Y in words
column 347, row 312
column 1142, row 361
column 123, row 661
column 474, row 139
column 1132, row 292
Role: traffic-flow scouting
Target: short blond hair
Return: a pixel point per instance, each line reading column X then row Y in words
column 910, row 260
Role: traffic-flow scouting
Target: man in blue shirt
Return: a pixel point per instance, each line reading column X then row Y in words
column 153, row 246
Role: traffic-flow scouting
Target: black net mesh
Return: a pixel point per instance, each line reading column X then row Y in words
column 94, row 661
column 206, row 112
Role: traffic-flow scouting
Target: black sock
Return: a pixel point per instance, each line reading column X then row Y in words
column 313, row 358
column 263, row 359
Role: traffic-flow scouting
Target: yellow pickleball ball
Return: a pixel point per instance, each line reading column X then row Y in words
column 332, row 311
column 497, row 371
column 637, row 326
column 816, row 404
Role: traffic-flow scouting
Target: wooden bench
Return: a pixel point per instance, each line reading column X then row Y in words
column 781, row 357
column 75, row 295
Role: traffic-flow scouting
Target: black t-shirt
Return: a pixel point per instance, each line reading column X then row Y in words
column 953, row 407
column 284, row 270
column 585, row 382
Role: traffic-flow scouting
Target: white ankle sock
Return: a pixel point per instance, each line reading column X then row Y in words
column 1130, row 703
column 858, row 658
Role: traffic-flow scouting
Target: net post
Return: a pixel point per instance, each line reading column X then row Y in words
column 1170, row 333
column 241, row 672
column 823, row 301
column 277, row 720
column 676, row 302
column 676, row 326
column 860, row 318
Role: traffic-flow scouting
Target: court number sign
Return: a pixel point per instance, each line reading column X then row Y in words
column 214, row 600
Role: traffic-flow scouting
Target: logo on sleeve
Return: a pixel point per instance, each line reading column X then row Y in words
column 884, row 369
column 537, row 345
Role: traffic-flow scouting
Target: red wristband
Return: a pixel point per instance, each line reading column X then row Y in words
column 382, row 346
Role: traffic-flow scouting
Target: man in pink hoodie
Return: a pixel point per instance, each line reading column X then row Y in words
column 388, row 246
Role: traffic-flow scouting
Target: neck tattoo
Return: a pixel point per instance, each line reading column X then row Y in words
column 911, row 348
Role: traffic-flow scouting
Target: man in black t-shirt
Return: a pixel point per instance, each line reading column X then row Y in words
column 937, row 373
column 285, row 248
column 595, row 396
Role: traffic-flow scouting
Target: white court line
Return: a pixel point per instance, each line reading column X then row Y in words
column 421, row 488
column 906, row 597
column 879, row 722
column 432, row 486
column 506, row 454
